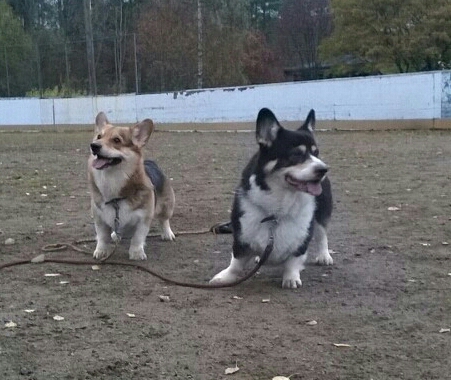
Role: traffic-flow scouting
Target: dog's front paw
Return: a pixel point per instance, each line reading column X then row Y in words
column 100, row 253
column 166, row 232
column 224, row 277
column 168, row 235
column 137, row 253
column 324, row 259
column 291, row 281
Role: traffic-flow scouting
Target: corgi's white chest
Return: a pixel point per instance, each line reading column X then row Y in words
column 109, row 186
column 294, row 212
column 120, row 216
column 124, row 218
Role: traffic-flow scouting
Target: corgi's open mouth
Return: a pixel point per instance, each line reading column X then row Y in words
column 101, row 162
column 310, row 187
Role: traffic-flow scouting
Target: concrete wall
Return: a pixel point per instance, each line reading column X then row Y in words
column 404, row 98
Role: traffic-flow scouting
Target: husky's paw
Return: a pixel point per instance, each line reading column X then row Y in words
column 324, row 259
column 291, row 281
column 137, row 253
column 100, row 253
column 224, row 277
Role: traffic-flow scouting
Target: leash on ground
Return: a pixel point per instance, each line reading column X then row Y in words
column 218, row 228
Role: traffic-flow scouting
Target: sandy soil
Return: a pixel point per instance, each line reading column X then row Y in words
column 387, row 297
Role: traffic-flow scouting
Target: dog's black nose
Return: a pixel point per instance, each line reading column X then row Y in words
column 321, row 172
column 95, row 148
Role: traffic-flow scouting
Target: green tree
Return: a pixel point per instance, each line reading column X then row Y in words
column 435, row 36
column 15, row 54
column 389, row 35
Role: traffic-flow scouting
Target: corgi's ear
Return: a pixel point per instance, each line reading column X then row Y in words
column 101, row 121
column 141, row 132
column 309, row 123
column 267, row 127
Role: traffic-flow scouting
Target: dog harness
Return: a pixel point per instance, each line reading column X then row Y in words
column 115, row 235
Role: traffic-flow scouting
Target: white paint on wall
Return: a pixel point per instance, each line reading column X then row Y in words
column 389, row 97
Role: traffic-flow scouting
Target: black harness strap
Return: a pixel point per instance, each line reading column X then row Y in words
column 115, row 203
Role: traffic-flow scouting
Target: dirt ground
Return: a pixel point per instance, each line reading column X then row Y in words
column 387, row 298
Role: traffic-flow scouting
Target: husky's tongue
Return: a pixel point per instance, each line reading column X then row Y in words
column 314, row 188
column 101, row 163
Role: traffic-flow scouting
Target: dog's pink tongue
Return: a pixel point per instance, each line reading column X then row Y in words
column 100, row 163
column 314, row 188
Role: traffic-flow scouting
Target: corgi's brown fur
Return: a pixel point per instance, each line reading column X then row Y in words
column 124, row 199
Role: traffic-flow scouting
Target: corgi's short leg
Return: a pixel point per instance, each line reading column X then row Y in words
column 319, row 248
column 136, row 251
column 292, row 271
column 166, row 232
column 103, row 238
column 232, row 272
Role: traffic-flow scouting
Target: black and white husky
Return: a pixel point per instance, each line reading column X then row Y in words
column 285, row 182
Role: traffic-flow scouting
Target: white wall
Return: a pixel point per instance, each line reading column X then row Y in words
column 389, row 97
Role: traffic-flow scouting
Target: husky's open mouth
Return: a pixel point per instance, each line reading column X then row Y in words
column 101, row 162
column 310, row 187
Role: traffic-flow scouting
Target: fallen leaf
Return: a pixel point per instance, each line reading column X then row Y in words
column 95, row 267
column 229, row 371
column 10, row 324
column 58, row 318
column 342, row 345
column 38, row 259
column 444, row 331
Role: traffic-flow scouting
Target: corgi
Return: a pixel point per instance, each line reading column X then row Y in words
column 126, row 190
column 284, row 193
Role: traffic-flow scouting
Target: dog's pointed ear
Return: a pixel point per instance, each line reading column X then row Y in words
column 309, row 123
column 267, row 127
column 101, row 121
column 141, row 132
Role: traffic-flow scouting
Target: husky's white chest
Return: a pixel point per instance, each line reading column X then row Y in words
column 293, row 212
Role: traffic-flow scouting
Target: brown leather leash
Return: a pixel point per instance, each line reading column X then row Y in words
column 58, row 247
